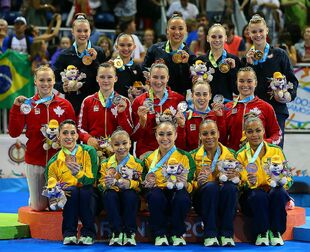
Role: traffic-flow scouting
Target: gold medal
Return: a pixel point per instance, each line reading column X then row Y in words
column 224, row 67
column 118, row 63
column 87, row 60
column 177, row 58
column 258, row 55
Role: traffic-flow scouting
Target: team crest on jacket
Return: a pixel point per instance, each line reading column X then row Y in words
column 114, row 111
column 59, row 111
column 256, row 111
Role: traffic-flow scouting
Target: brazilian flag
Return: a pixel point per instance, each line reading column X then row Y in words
column 15, row 77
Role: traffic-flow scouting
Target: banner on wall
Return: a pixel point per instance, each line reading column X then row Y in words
column 12, row 158
column 299, row 109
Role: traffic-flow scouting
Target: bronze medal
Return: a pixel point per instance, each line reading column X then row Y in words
column 111, row 172
column 70, row 158
column 87, row 60
column 224, row 67
column 258, row 55
column 177, row 58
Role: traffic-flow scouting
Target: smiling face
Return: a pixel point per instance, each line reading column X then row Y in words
column 158, row 79
column 258, row 33
column 165, row 136
column 201, row 33
column 106, row 77
column 217, row 37
column 125, row 46
column 254, row 132
column 209, row 135
column 120, row 144
column 68, row 136
column 246, row 83
column 201, row 96
column 44, row 80
column 81, row 32
column 176, row 30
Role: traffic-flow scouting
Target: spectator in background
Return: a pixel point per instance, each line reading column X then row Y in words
column 285, row 42
column 65, row 43
column 18, row 41
column 3, row 31
column 234, row 43
column 106, row 44
column 125, row 9
column 94, row 35
column 128, row 26
column 191, row 25
column 296, row 11
column 36, row 13
column 246, row 38
column 303, row 47
column 188, row 10
column 148, row 38
column 216, row 10
column 38, row 54
column 5, row 6
column 200, row 46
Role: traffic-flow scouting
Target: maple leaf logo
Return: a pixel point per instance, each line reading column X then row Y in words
column 59, row 111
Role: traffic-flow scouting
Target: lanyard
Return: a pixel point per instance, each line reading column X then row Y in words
column 245, row 100
column 162, row 100
column 85, row 52
column 121, row 164
column 168, row 48
column 106, row 103
column 255, row 156
column 215, row 159
column 266, row 50
column 154, row 167
column 192, row 110
column 213, row 61
column 72, row 153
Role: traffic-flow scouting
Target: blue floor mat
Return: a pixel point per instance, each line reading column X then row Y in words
column 11, row 201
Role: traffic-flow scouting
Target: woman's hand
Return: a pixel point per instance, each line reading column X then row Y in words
column 93, row 142
column 180, row 119
column 142, row 113
column 250, row 56
column 218, row 108
column 252, row 178
column 19, row 100
column 93, row 53
column 121, row 106
column 231, row 62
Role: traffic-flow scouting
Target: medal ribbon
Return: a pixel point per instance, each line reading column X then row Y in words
column 245, row 100
column 162, row 100
column 106, row 103
column 72, row 153
column 85, row 52
column 215, row 159
column 193, row 110
column 154, row 167
column 213, row 61
column 121, row 164
column 43, row 100
column 249, row 154
column 168, row 48
column 266, row 50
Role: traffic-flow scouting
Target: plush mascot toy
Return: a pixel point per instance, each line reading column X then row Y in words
column 277, row 171
column 137, row 89
column 50, row 132
column 55, row 193
column 229, row 163
column 167, row 115
column 74, row 77
column 174, row 172
column 280, row 86
column 200, row 70
column 105, row 150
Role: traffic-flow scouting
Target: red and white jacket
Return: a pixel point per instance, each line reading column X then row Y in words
column 188, row 137
column 145, row 137
column 59, row 109
column 97, row 121
column 235, row 118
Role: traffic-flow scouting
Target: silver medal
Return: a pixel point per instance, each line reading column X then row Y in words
column 182, row 106
column 25, row 108
column 149, row 104
column 218, row 99
column 116, row 100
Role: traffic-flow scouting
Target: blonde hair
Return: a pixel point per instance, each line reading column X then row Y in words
column 257, row 19
column 80, row 18
column 201, row 82
column 43, row 68
column 216, row 25
column 107, row 65
column 159, row 65
column 120, row 131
